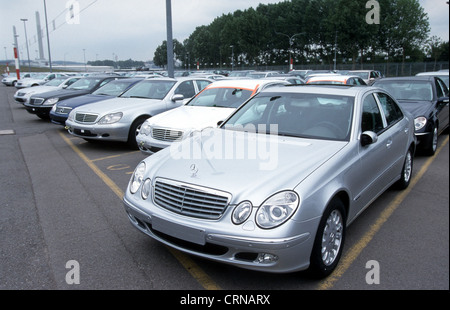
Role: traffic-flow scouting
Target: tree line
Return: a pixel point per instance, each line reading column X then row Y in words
column 311, row 31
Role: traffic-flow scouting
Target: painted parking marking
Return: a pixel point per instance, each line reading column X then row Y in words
column 356, row 250
column 196, row 272
column 115, row 156
column 7, row 132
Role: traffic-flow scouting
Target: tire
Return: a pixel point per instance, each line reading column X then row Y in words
column 431, row 147
column 406, row 173
column 329, row 241
column 134, row 131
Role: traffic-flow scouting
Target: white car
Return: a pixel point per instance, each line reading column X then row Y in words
column 38, row 79
column 120, row 119
column 443, row 75
column 24, row 95
column 215, row 103
column 11, row 80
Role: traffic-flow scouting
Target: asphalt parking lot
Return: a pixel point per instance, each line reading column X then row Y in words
column 61, row 211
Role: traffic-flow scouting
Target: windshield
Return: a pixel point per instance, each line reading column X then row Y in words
column 55, row 82
column 114, row 88
column 363, row 75
column 221, row 97
column 39, row 76
column 408, row 90
column 85, row 84
column 150, row 89
column 313, row 116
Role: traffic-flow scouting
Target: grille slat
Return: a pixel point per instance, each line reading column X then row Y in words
column 85, row 117
column 189, row 201
column 166, row 134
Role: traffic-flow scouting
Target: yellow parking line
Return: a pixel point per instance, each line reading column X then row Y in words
column 114, row 156
column 197, row 273
column 354, row 252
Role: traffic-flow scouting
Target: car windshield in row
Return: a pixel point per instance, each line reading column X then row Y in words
column 55, row 81
column 84, row 84
column 313, row 116
column 408, row 90
column 149, row 89
column 221, row 97
column 112, row 89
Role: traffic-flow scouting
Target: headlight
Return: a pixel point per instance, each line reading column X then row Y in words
column 145, row 129
column 71, row 116
column 136, row 179
column 420, row 122
column 241, row 212
column 277, row 209
column 146, row 189
column 111, row 118
column 51, row 101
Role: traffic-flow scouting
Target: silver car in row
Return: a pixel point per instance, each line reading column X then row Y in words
column 120, row 119
column 276, row 185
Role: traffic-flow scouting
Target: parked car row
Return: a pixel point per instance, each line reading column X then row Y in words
column 262, row 174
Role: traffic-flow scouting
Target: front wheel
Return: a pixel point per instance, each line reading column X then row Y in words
column 329, row 241
column 431, row 148
column 406, row 173
column 134, row 131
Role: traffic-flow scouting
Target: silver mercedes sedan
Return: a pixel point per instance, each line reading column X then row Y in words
column 120, row 118
column 276, row 185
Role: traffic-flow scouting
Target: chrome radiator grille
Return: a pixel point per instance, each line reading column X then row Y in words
column 190, row 201
column 166, row 134
column 85, row 117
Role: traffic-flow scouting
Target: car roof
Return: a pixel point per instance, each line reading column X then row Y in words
column 342, row 90
column 332, row 77
column 408, row 78
column 245, row 83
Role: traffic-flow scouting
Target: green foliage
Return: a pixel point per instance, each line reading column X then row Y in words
column 310, row 30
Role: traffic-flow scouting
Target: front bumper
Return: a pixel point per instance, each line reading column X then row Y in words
column 110, row 132
column 149, row 146
column 41, row 111
column 210, row 240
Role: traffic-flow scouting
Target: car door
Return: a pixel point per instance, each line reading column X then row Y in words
column 379, row 161
column 442, row 104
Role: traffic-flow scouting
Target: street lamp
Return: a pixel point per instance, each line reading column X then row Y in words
column 26, row 41
column 48, row 38
column 232, row 57
column 291, row 43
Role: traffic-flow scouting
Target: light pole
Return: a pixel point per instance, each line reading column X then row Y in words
column 84, row 57
column 26, row 41
column 232, row 57
column 170, row 55
column 291, row 43
column 48, row 38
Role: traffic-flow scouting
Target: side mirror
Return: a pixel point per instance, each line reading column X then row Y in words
column 368, row 137
column 177, row 97
column 219, row 123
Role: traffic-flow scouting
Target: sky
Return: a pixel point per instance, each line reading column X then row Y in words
column 129, row 29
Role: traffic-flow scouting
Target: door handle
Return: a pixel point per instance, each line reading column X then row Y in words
column 389, row 143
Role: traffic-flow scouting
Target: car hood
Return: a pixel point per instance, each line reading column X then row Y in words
column 82, row 100
column 189, row 117
column 61, row 93
column 277, row 163
column 38, row 89
column 416, row 108
column 31, row 81
column 117, row 105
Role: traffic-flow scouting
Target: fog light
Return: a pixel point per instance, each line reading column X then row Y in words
column 266, row 258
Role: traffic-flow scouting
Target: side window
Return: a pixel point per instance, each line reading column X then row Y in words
column 201, row 84
column 441, row 89
column 371, row 116
column 186, row 89
column 390, row 108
